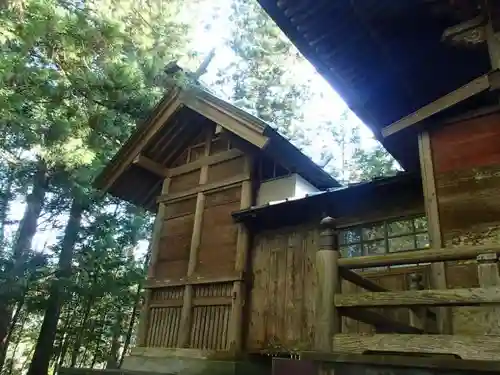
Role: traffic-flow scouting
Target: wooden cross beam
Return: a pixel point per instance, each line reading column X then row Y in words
column 490, row 81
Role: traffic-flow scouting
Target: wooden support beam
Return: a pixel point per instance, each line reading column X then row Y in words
column 388, row 359
column 418, row 256
column 187, row 307
column 235, row 342
column 328, row 320
column 154, row 247
column 446, row 297
column 150, row 165
column 205, row 160
column 379, row 321
column 469, row 90
column 192, row 280
column 438, row 269
column 480, row 347
column 249, row 132
column 361, row 281
column 219, row 185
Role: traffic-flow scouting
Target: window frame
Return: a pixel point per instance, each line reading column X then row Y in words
column 362, row 242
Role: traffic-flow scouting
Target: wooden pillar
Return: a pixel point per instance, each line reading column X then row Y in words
column 328, row 320
column 187, row 305
column 438, row 269
column 154, row 248
column 418, row 315
column 235, row 341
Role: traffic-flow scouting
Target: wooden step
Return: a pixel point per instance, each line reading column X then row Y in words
column 413, row 298
column 85, row 371
column 403, row 361
column 484, row 347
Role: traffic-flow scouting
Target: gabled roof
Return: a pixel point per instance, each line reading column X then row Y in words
column 179, row 117
column 385, row 58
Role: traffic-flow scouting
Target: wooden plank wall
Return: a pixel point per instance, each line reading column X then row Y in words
column 466, row 158
column 282, row 315
column 194, row 299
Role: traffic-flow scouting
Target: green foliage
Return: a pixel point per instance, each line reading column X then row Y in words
column 75, row 78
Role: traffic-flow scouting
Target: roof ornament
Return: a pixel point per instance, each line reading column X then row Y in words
column 175, row 75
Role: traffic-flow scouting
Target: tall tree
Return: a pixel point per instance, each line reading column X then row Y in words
column 259, row 78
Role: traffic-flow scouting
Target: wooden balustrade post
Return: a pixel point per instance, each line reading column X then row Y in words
column 328, row 320
column 487, row 270
column 489, row 276
column 418, row 315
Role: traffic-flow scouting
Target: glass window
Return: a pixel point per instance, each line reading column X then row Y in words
column 385, row 237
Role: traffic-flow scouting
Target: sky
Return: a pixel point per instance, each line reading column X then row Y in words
column 326, row 104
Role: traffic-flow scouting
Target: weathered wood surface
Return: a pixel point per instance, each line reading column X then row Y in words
column 404, row 361
column 478, row 347
column 467, row 163
column 467, row 167
column 448, row 297
column 283, row 280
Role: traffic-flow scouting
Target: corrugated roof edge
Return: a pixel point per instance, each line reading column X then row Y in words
column 253, row 212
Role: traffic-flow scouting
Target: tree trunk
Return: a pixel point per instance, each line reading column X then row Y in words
column 79, row 338
column 131, row 324
column 16, row 345
column 45, row 343
column 133, row 316
column 24, row 238
column 5, row 198
column 112, row 362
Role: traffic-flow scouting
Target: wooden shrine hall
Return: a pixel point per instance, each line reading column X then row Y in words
column 261, row 261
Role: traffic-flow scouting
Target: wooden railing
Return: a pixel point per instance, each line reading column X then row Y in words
column 332, row 305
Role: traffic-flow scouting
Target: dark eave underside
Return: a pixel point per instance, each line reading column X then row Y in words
column 385, row 58
column 141, row 187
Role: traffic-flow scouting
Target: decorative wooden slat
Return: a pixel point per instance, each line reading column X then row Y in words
column 448, row 297
column 466, row 347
